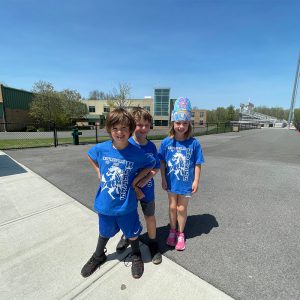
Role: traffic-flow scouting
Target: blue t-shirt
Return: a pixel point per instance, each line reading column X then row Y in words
column 180, row 158
column 118, row 169
column 151, row 150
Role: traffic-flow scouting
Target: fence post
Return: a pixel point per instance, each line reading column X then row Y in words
column 206, row 128
column 218, row 127
column 97, row 133
column 55, row 135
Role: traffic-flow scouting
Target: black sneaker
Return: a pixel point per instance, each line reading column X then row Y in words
column 137, row 267
column 155, row 254
column 123, row 244
column 92, row 265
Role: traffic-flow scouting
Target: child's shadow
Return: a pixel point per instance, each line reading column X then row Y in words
column 195, row 226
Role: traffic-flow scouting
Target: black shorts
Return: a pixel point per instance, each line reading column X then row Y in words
column 148, row 208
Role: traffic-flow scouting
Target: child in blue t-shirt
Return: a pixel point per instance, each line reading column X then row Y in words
column 143, row 121
column 119, row 166
column 181, row 158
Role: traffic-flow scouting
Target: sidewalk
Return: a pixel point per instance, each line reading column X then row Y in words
column 46, row 237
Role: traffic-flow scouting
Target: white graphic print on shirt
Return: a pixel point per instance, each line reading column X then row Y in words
column 180, row 162
column 116, row 178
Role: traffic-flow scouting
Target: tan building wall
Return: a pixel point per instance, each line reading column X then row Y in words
column 102, row 107
column 199, row 117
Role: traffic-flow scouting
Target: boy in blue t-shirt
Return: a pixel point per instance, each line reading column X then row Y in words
column 119, row 166
column 143, row 121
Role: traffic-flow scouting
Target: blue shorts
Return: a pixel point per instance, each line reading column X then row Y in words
column 130, row 224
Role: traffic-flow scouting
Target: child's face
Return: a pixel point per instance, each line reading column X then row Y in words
column 120, row 134
column 181, row 127
column 142, row 129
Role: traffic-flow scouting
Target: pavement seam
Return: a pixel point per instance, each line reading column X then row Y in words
column 34, row 214
column 89, row 282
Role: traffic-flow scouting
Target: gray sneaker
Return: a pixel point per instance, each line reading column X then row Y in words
column 155, row 254
column 122, row 244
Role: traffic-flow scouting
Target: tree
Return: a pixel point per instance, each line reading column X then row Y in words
column 230, row 113
column 221, row 114
column 50, row 106
column 97, row 95
column 46, row 106
column 120, row 96
column 73, row 107
column 296, row 117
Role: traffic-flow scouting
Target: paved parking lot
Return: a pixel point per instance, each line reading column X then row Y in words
column 243, row 225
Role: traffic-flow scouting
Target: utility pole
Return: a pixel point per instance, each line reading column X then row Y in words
column 291, row 113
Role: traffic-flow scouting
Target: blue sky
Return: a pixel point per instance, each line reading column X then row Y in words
column 216, row 52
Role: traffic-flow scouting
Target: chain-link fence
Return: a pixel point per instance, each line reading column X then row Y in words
column 16, row 135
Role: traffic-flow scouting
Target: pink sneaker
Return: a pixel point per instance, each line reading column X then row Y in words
column 171, row 240
column 180, row 241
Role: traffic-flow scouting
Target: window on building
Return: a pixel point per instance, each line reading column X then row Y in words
column 201, row 122
column 161, row 123
column 92, row 109
column 161, row 102
column 193, row 114
column 106, row 109
column 201, row 114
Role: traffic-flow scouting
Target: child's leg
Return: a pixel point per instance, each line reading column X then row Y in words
column 151, row 226
column 181, row 217
column 97, row 259
column 173, row 210
column 182, row 204
column 149, row 214
column 171, row 240
column 148, row 209
column 107, row 228
column 131, row 227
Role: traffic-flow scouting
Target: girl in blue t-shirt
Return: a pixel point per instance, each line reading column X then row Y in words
column 181, row 158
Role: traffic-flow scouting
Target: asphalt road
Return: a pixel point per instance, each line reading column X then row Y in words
column 243, row 225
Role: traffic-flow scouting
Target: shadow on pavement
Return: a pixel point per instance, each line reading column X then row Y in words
column 9, row 166
column 195, row 226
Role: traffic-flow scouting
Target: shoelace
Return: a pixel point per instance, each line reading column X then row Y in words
column 127, row 263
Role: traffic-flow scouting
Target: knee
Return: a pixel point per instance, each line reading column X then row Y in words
column 181, row 209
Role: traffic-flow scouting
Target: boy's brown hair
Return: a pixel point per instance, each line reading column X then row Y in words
column 140, row 113
column 119, row 116
column 187, row 135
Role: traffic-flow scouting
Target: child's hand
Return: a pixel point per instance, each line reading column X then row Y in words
column 194, row 187
column 138, row 193
column 134, row 182
column 142, row 182
column 164, row 184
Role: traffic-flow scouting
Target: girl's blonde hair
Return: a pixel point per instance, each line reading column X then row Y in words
column 187, row 135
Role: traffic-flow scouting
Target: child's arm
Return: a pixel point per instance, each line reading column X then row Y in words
column 147, row 178
column 140, row 175
column 163, row 175
column 138, row 192
column 197, row 178
column 95, row 166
